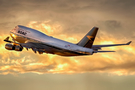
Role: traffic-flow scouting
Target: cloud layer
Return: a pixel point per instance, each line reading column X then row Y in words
column 120, row 63
column 70, row 20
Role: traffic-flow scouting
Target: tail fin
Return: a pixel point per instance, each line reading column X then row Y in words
column 88, row 39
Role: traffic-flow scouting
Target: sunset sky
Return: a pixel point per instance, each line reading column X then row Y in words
column 69, row 20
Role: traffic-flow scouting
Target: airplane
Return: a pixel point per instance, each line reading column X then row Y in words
column 25, row 37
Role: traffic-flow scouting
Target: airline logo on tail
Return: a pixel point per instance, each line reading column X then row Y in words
column 91, row 38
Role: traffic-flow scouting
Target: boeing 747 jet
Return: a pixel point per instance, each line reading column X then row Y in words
column 39, row 42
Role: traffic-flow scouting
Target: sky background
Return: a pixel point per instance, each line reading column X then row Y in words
column 69, row 20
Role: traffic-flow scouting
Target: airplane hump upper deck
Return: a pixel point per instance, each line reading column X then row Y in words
column 22, row 30
column 30, row 30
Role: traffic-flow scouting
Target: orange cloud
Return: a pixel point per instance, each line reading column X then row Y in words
column 121, row 62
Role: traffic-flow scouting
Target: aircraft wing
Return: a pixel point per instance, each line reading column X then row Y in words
column 36, row 47
column 41, row 48
column 44, row 48
column 100, row 46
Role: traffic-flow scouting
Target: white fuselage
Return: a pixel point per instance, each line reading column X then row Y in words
column 23, row 34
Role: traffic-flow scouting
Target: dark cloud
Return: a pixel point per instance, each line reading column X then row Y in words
column 112, row 24
column 75, row 15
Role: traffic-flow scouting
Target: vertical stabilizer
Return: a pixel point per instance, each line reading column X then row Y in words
column 88, row 39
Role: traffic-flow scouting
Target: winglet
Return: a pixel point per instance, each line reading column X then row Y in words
column 128, row 42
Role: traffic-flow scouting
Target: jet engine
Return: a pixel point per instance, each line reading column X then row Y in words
column 18, row 48
column 13, row 47
column 10, row 47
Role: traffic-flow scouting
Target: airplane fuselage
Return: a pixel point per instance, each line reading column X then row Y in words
column 39, row 42
column 49, row 44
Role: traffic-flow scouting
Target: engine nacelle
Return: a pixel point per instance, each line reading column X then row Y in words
column 13, row 47
column 18, row 48
column 10, row 47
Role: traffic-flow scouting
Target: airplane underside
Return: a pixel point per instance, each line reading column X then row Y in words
column 58, row 51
